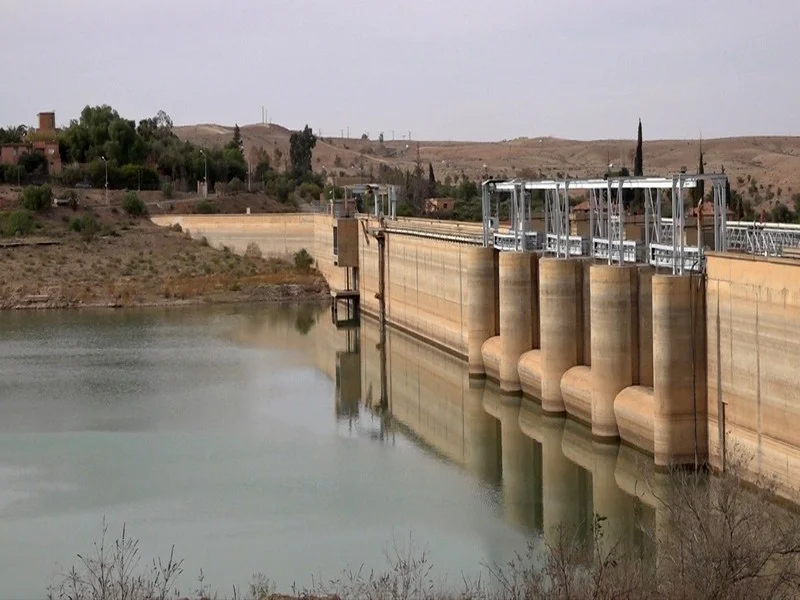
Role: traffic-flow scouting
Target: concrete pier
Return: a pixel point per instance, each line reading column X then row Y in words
column 679, row 370
column 481, row 308
column 560, row 291
column 615, row 340
column 515, row 316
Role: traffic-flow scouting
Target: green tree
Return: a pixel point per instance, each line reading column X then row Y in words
column 33, row 162
column 235, row 185
column 301, row 146
column 431, row 181
column 236, row 142
column 12, row 134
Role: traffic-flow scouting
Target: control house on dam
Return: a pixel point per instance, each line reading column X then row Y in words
column 675, row 332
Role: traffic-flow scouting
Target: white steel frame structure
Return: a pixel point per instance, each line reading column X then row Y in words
column 765, row 239
column 664, row 246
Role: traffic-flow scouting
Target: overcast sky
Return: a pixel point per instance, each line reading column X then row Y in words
column 443, row 69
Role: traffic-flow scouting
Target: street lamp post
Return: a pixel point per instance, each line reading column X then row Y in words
column 106, row 164
column 205, row 174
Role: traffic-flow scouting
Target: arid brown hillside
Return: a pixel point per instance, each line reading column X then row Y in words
column 769, row 160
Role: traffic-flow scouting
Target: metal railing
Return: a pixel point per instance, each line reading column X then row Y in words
column 664, row 256
column 573, row 245
column 510, row 241
column 764, row 239
column 603, row 250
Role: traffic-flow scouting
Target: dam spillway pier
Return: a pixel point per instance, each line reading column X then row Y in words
column 620, row 321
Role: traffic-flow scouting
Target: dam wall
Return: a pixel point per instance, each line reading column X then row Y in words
column 753, row 379
column 425, row 286
column 684, row 368
column 278, row 235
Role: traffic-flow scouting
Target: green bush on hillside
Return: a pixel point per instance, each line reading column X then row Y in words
column 206, row 207
column 37, row 197
column 167, row 190
column 133, row 205
column 86, row 225
column 18, row 222
column 303, row 260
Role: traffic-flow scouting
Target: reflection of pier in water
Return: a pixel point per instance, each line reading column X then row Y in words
column 549, row 469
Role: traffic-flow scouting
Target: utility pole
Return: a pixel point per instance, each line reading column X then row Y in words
column 106, row 163
column 205, row 174
column 348, row 132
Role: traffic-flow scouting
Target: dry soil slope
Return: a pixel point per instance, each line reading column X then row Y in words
column 771, row 160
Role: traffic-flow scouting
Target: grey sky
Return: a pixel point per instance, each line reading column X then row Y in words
column 444, row 69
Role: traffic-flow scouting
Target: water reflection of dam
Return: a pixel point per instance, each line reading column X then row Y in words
column 549, row 470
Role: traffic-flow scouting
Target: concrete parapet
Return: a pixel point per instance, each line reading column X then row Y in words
column 515, row 316
column 633, row 409
column 679, row 370
column 560, row 291
column 615, row 340
column 481, row 307
column 530, row 373
column 490, row 352
column 576, row 389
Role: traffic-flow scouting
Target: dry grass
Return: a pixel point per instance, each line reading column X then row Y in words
column 771, row 160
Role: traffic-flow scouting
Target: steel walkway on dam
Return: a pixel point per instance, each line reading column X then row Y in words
column 759, row 239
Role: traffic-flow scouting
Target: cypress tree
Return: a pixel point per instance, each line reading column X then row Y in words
column 699, row 190
column 638, row 195
column 637, row 162
column 431, row 182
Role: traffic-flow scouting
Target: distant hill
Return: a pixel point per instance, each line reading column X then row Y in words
column 771, row 161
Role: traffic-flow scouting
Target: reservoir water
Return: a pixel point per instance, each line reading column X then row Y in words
column 263, row 439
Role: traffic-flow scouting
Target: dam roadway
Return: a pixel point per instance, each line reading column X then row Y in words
column 682, row 367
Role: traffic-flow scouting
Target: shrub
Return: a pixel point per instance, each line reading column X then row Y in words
column 167, row 190
column 37, row 197
column 72, row 198
column 310, row 191
column 303, row 260
column 252, row 251
column 206, row 207
column 235, row 185
column 133, row 205
column 86, row 225
column 18, row 222
column 72, row 174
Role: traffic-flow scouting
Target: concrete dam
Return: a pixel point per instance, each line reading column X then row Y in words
column 678, row 336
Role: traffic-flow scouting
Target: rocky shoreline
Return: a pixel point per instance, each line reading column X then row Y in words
column 274, row 294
